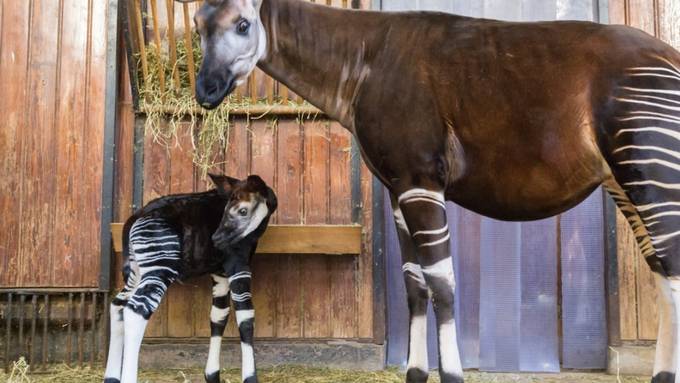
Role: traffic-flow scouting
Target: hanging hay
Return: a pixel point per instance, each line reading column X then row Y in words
column 176, row 106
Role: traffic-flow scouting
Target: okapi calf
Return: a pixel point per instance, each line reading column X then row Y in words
column 182, row 236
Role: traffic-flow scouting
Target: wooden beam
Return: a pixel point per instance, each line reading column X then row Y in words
column 292, row 239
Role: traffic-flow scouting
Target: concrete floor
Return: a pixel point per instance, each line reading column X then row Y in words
column 290, row 374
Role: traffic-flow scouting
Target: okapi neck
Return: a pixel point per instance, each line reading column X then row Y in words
column 319, row 52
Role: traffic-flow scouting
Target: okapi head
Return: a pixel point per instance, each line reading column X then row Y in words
column 250, row 204
column 233, row 40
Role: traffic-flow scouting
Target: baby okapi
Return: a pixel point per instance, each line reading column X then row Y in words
column 182, row 236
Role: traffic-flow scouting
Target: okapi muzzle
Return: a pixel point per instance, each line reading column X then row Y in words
column 213, row 84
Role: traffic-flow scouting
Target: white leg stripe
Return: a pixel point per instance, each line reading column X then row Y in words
column 115, row 359
column 655, row 183
column 652, row 161
column 656, row 98
column 399, row 220
column 659, row 91
column 432, row 232
column 247, row 361
column 664, row 359
column 448, row 349
column 416, row 273
column 652, row 68
column 241, row 297
column 135, row 325
column 655, row 75
column 649, row 148
column 218, row 315
column 213, row 363
column 674, row 285
column 241, row 275
column 663, row 238
column 417, row 355
column 221, row 287
column 664, row 214
column 242, row 315
column 441, row 270
column 655, row 206
column 667, row 132
column 423, row 195
column 438, row 242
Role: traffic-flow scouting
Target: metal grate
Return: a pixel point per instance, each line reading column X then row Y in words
column 51, row 326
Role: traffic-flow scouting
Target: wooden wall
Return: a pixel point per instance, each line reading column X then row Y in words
column 637, row 291
column 52, row 69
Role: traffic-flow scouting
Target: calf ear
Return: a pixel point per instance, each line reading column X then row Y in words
column 272, row 202
column 224, row 184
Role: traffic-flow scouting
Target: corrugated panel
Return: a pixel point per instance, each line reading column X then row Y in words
column 52, row 146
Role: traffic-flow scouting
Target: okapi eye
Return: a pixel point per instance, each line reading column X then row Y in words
column 243, row 212
column 242, row 27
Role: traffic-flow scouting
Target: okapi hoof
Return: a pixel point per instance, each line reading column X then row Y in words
column 111, row 380
column 664, row 377
column 213, row 377
column 416, row 375
column 252, row 379
column 450, row 378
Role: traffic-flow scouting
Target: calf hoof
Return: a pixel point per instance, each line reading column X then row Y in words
column 664, row 377
column 450, row 378
column 252, row 379
column 416, row 375
column 111, row 380
column 213, row 377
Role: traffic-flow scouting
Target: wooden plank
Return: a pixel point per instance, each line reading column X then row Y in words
column 647, row 292
column 13, row 61
column 627, row 255
column 180, row 314
column 288, row 190
column 201, row 303
column 70, row 118
column 641, row 15
column 669, row 14
column 38, row 183
column 263, row 151
column 618, row 12
column 343, row 281
column 93, row 141
column 316, row 286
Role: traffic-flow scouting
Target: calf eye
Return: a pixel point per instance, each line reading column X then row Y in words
column 243, row 212
column 242, row 27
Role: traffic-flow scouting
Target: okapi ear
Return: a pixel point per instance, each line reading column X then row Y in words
column 257, row 4
column 272, row 202
column 225, row 184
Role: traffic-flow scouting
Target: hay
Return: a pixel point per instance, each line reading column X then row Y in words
column 292, row 374
column 167, row 110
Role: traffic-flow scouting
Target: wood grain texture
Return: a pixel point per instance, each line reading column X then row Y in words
column 627, row 255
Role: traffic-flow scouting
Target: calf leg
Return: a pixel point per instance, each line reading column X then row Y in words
column 425, row 215
column 219, row 313
column 417, row 296
column 114, row 363
column 239, row 284
column 664, row 363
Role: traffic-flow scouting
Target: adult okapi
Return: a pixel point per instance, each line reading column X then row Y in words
column 516, row 121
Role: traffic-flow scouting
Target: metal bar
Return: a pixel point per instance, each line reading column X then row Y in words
column 304, row 110
column 140, row 38
column 611, row 270
column 355, row 181
column 69, row 331
column 138, row 168
column 34, row 318
column 126, row 15
column 93, row 342
column 378, row 250
column 170, row 6
column 157, row 38
column 190, row 49
column 8, row 335
column 46, row 320
column 81, row 330
column 22, row 301
column 109, row 143
column 105, row 327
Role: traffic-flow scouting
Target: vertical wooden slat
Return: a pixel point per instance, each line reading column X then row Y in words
column 342, row 269
column 647, row 301
column 157, row 38
column 189, row 45
column 264, row 287
column 14, row 44
column 93, row 141
column 71, row 110
column 617, row 11
column 180, row 314
column 288, row 190
column 627, row 265
column 365, row 283
column 641, row 15
column 669, row 14
column 141, row 42
column 38, row 183
column 316, row 292
column 172, row 44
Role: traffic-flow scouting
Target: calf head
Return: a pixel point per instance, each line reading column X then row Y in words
column 250, row 204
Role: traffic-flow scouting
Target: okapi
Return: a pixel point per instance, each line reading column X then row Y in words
column 515, row 121
column 182, row 236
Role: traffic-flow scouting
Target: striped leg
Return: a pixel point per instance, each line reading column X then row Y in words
column 114, row 363
column 239, row 283
column 219, row 313
column 425, row 215
column 155, row 248
column 417, row 296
